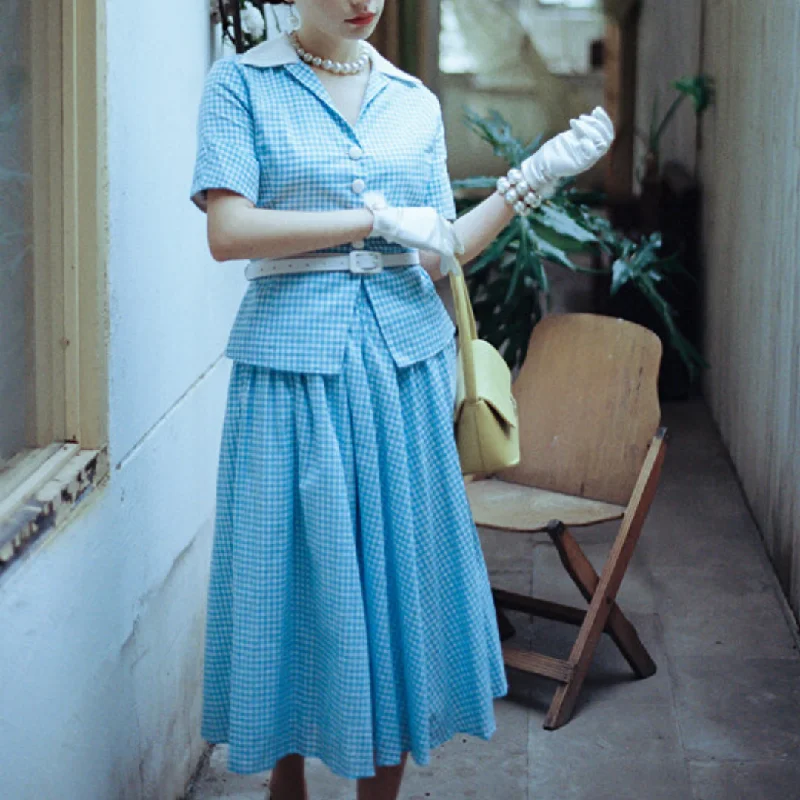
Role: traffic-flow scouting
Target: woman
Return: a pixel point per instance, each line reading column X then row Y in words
column 349, row 613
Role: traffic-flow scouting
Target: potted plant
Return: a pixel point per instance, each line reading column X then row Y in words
column 699, row 89
column 509, row 282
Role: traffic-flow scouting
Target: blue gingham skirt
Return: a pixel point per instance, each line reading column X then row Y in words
column 349, row 611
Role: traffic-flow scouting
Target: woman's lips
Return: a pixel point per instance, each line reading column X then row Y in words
column 364, row 19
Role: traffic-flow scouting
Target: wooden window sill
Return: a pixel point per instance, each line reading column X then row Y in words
column 48, row 497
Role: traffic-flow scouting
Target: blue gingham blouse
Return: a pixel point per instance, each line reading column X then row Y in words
column 268, row 130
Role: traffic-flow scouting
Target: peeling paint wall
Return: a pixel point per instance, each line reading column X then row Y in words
column 101, row 642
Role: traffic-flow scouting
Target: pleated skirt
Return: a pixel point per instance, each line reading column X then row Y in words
column 349, row 613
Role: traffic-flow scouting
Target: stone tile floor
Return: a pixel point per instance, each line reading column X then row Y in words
column 720, row 719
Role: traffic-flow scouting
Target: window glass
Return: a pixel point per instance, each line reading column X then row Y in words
column 454, row 54
column 562, row 32
column 16, row 232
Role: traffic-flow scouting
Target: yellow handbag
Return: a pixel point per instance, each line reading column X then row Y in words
column 485, row 415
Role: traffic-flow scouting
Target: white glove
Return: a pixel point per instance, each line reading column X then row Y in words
column 419, row 227
column 571, row 152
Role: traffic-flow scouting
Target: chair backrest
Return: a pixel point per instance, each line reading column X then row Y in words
column 588, row 406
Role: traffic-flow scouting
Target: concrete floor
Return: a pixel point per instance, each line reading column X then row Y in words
column 720, row 719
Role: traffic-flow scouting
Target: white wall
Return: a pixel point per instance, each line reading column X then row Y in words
column 101, row 666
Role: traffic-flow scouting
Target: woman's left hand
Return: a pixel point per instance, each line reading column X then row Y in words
column 571, row 152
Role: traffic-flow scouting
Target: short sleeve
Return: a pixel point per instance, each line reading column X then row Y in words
column 439, row 192
column 226, row 152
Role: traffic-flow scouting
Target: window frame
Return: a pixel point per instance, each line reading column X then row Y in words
column 564, row 5
column 69, row 324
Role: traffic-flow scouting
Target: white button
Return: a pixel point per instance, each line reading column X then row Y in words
column 358, row 244
column 356, row 152
column 359, row 186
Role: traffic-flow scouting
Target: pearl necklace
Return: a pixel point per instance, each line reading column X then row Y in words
column 336, row 67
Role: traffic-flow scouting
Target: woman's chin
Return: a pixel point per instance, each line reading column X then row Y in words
column 359, row 31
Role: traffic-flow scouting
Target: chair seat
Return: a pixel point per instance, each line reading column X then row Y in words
column 513, row 507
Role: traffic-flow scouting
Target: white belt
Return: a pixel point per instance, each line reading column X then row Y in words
column 362, row 262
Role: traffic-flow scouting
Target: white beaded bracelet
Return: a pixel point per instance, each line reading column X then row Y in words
column 517, row 193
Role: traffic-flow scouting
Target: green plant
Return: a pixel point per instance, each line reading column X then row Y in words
column 508, row 282
column 699, row 88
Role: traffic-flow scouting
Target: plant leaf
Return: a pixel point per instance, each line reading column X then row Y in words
column 497, row 132
column 699, row 88
column 552, row 253
column 520, row 264
column 478, row 182
column 620, row 275
column 557, row 227
column 495, row 250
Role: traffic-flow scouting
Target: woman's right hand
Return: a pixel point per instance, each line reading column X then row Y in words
column 420, row 227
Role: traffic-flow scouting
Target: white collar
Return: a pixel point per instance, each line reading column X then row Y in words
column 279, row 51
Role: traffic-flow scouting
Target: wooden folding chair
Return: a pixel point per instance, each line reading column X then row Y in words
column 591, row 452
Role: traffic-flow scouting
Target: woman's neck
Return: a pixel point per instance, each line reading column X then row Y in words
column 332, row 47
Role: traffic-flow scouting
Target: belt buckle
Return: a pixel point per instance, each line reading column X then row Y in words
column 366, row 262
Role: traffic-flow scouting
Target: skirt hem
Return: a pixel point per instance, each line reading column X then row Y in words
column 420, row 759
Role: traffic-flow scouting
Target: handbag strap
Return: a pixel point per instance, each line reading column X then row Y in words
column 467, row 332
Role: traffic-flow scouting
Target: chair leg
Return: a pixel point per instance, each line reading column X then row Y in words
column 580, row 657
column 618, row 627
column 608, row 585
column 504, row 625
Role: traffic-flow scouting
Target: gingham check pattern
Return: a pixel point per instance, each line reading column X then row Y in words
column 350, row 616
column 349, row 610
column 274, row 136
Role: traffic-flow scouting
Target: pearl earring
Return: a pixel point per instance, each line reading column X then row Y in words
column 294, row 20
